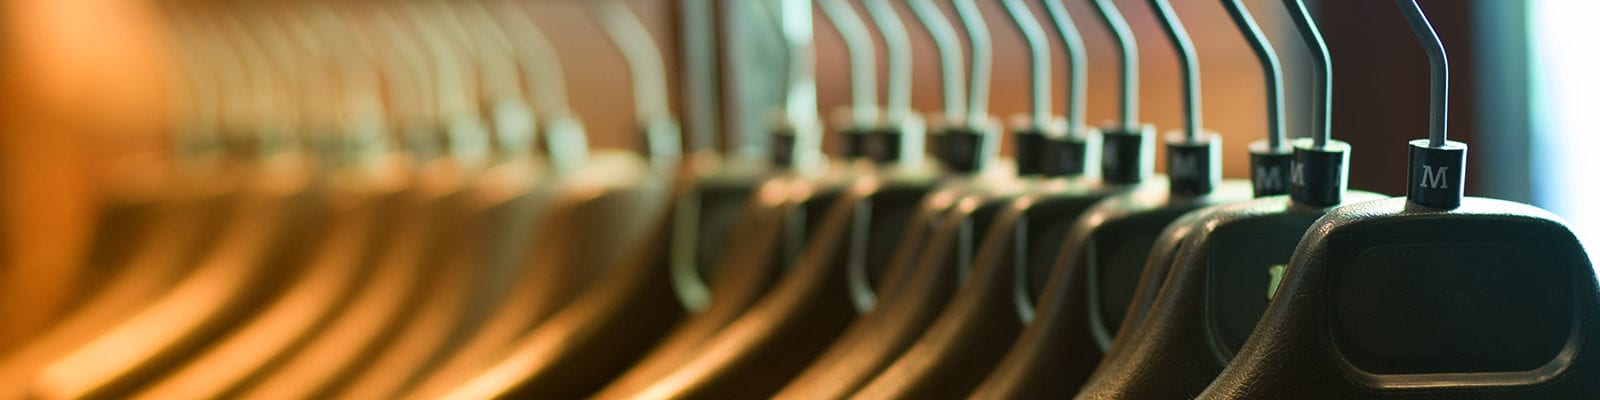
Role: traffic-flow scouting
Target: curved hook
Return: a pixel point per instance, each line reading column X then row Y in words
column 702, row 100
column 1321, row 63
column 982, row 59
column 863, row 64
column 1039, row 59
column 1128, row 48
column 800, row 95
column 305, row 81
column 514, row 122
column 951, row 68
column 650, row 100
column 404, row 78
column 1179, row 37
column 261, row 112
column 1439, row 77
column 196, row 118
column 545, row 78
column 1077, row 62
column 1269, row 67
column 897, row 46
column 359, row 112
column 457, row 89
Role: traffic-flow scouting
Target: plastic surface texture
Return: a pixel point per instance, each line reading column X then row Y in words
column 1507, row 286
column 1204, row 301
column 1091, row 282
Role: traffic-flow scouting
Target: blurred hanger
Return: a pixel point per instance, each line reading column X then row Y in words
column 810, row 306
column 593, row 227
column 1092, row 282
column 165, row 235
column 227, row 286
column 785, row 212
column 618, row 316
column 365, row 195
column 407, row 265
column 827, row 224
column 1371, row 302
column 1191, row 314
column 966, row 339
column 504, row 198
column 905, row 309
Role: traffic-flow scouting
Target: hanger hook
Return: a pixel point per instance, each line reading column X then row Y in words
column 1039, row 59
column 702, row 108
column 897, row 46
column 566, row 140
column 863, row 64
column 1437, row 170
column 628, row 33
column 1077, row 63
column 406, row 79
column 358, row 112
column 1128, row 48
column 982, row 59
column 306, row 80
column 800, row 115
column 1439, row 78
column 458, row 103
column 515, row 124
column 261, row 111
column 1322, row 63
column 1270, row 67
column 951, row 68
column 1179, row 38
column 197, row 117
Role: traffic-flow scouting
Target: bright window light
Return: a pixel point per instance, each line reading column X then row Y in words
column 1565, row 66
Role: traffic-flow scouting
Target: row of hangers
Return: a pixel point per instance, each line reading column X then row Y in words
column 395, row 200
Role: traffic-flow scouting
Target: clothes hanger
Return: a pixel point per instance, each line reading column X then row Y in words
column 367, row 198
column 661, row 132
column 435, row 193
column 504, row 204
column 1096, row 272
column 882, row 335
column 786, row 211
column 817, row 296
column 515, row 306
column 1372, row 278
column 618, row 317
column 844, row 224
column 723, row 181
column 1208, row 301
column 966, row 339
column 179, row 224
column 241, row 272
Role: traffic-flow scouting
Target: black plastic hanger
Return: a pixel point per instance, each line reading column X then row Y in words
column 975, row 328
column 603, row 204
column 824, row 291
column 882, row 335
column 1431, row 296
column 784, row 211
column 1097, row 270
column 1203, row 304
